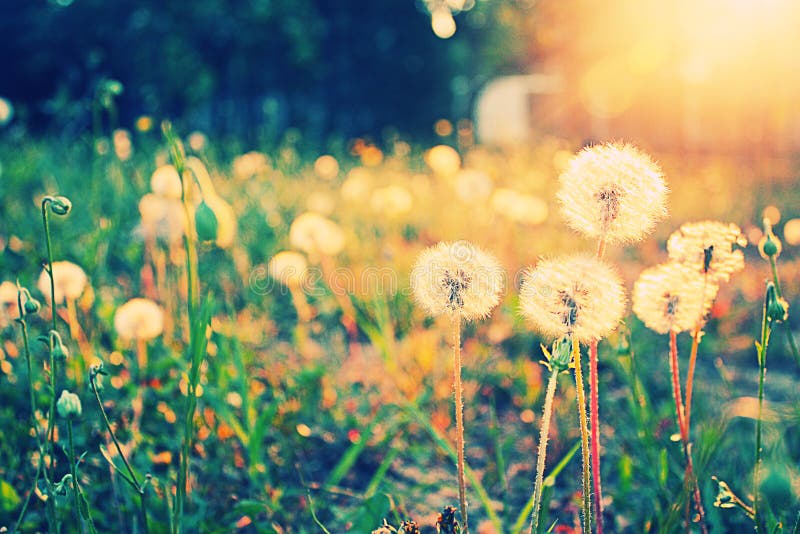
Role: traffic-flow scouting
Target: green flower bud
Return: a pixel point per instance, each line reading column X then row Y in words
column 59, row 205
column 69, row 405
column 57, row 348
column 777, row 307
column 559, row 358
column 205, row 222
column 446, row 522
column 31, row 306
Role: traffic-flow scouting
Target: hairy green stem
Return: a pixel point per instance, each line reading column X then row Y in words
column 195, row 343
column 584, row 424
column 788, row 330
column 762, row 372
column 96, row 392
column 131, row 478
column 459, row 405
column 75, row 487
column 544, row 433
column 594, row 416
column 50, row 435
column 24, row 325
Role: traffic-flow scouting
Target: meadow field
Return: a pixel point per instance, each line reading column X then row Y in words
column 242, row 349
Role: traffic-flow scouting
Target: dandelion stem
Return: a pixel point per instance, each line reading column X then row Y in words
column 459, row 402
column 587, row 497
column 544, row 433
column 696, row 334
column 27, row 502
column 681, row 417
column 132, row 480
column 24, row 325
column 788, row 330
column 594, row 413
column 93, row 384
column 49, row 471
column 690, row 375
column 766, row 330
column 75, row 488
column 601, row 248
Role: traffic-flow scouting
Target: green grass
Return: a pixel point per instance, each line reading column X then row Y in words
column 349, row 432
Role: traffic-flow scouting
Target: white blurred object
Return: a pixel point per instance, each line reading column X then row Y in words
column 503, row 111
column 6, row 111
column 443, row 23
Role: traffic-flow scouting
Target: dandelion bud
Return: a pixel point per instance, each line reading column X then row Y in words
column 59, row 205
column 777, row 307
column 559, row 358
column 31, row 306
column 408, row 527
column 57, row 348
column 205, row 223
column 769, row 246
column 446, row 523
column 69, row 405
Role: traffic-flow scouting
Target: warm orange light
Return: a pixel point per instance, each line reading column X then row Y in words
column 718, row 73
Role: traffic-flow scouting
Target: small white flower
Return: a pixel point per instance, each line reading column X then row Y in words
column 139, row 319
column 69, row 281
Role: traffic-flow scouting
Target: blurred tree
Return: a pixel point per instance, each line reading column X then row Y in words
column 234, row 66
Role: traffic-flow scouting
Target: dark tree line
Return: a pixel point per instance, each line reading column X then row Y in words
column 231, row 66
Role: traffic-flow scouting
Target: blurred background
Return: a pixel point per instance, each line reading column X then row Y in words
column 406, row 122
column 699, row 75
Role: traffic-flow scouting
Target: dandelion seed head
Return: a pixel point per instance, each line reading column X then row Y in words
column 391, row 201
column 519, row 207
column 314, row 234
column 473, row 186
column 162, row 218
column 443, row 160
column 289, row 268
column 578, row 296
column 250, row 164
column 357, row 185
column 166, row 182
column 673, row 297
column 8, row 303
column 326, row 167
column 457, row 277
column 707, row 247
column 139, row 319
column 613, row 191
column 69, row 281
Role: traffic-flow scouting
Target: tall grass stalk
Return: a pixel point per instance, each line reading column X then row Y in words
column 584, row 424
column 459, row 405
